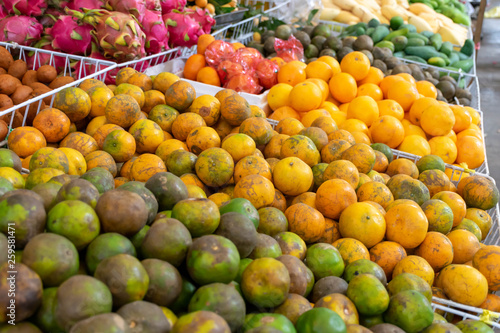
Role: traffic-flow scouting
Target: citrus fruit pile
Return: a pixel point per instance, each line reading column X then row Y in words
column 148, row 208
column 394, row 110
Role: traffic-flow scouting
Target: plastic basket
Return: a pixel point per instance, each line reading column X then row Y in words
column 281, row 10
column 85, row 68
column 467, row 312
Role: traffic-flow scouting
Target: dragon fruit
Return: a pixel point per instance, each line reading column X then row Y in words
column 183, row 30
column 87, row 4
column 2, row 12
column 69, row 36
column 153, row 5
column 35, row 61
column 156, row 32
column 25, row 7
column 202, row 16
column 117, row 34
column 133, row 7
column 49, row 18
column 168, row 5
column 23, row 30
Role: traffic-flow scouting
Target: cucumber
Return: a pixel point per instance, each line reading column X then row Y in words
column 427, row 34
column 400, row 32
column 454, row 57
column 436, row 41
column 437, row 61
column 462, row 56
column 424, row 52
column 399, row 54
column 465, row 65
column 410, row 27
column 415, row 58
column 380, row 33
column 446, row 48
column 369, row 31
column 417, row 35
column 445, row 57
column 415, row 42
column 468, row 48
column 386, row 43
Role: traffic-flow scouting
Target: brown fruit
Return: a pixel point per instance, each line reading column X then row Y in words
column 18, row 69
column 8, row 84
column 4, row 129
column 29, row 77
column 5, row 101
column 61, row 81
column 46, row 74
column 21, row 94
column 5, row 58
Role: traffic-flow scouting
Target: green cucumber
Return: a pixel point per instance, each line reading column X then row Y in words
column 437, row 61
column 399, row 54
column 454, row 57
column 468, row 48
column 427, row 34
column 415, row 58
column 380, row 33
column 415, row 42
column 386, row 43
column 446, row 48
column 424, row 52
column 436, row 41
column 462, row 56
column 410, row 27
column 445, row 57
column 400, row 32
column 419, row 36
column 465, row 65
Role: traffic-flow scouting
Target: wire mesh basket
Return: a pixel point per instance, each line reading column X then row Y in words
column 467, row 312
column 336, row 27
column 80, row 68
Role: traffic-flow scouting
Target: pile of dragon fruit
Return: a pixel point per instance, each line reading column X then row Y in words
column 118, row 30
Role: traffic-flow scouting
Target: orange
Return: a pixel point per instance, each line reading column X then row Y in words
column 208, row 75
column 355, row 125
column 343, row 87
column 238, row 146
column 323, row 86
column 456, row 203
column 146, row 166
column 101, row 133
column 53, row 123
column 426, row 88
column 203, row 41
column 326, row 123
column 192, row 179
column 404, row 93
column 333, row 196
column 372, row 90
column 436, row 249
column 284, row 112
column 474, row 114
column 452, row 135
column 481, row 218
column 444, row 147
column 94, row 124
column 257, row 112
column 364, row 108
column 237, row 46
column 462, row 118
column 363, row 222
column 362, row 155
column 26, row 140
column 147, row 134
column 311, row 116
column 407, row 225
column 308, row 198
column 415, row 265
column 487, row 261
column 251, row 165
column 387, row 255
column 292, row 73
column 387, row 130
column 465, row 245
column 100, row 158
column 374, row 76
column 342, row 169
column 357, row 64
column 408, row 78
column 329, row 106
column 387, row 82
column 416, row 145
column 120, row 145
column 278, row 61
column 184, row 123
column 381, row 162
column 220, row 198
column 306, row 222
column 361, row 137
column 319, row 70
column 193, row 65
column 302, row 147
column 344, row 107
column 168, row 146
column 470, row 151
column 388, row 107
column 339, row 117
column 273, row 148
column 411, row 129
column 333, row 150
column 332, row 62
column 437, row 120
column 305, row 96
column 375, row 192
column 341, row 135
column 214, row 167
column 278, row 96
column 351, row 250
column 469, row 132
column 258, row 129
column 257, row 189
column 202, row 138
column 418, row 108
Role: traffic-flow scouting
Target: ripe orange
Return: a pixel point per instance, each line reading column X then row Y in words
column 120, row 144
column 193, row 65
column 407, row 225
column 444, row 147
column 202, row 138
column 273, row 148
column 437, row 120
column 323, row 86
column 302, row 147
column 364, row 108
column 415, row 265
column 387, row 82
column 292, row 73
column 374, row 76
column 363, row 222
column 387, row 255
column 418, row 108
column 284, row 112
column 208, row 75
column 408, row 78
column 354, row 125
column 306, row 222
column 465, row 245
column 203, row 42
column 415, row 144
column 289, row 126
column 239, row 145
column 319, row 70
column 387, row 130
column 462, row 118
column 147, row 134
column 332, row 62
column 146, row 166
column 257, row 189
column 333, row 196
column 326, row 123
column 252, row 165
column 372, row 90
column 436, row 249
column 357, row 64
column 305, row 96
column 404, row 93
column 426, row 89
column 278, row 96
column 311, row 116
column 343, row 87
column 411, row 129
column 470, row 151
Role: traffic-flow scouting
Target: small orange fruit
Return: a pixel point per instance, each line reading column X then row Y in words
column 278, row 96
column 314, row 97
column 332, row 62
column 292, row 73
column 193, row 65
column 343, row 87
column 319, row 70
column 404, row 93
column 364, row 108
column 426, row 88
column 356, row 64
column 415, row 144
column 437, row 120
column 208, row 75
column 387, row 130
column 418, row 108
column 372, row 90
column 374, row 76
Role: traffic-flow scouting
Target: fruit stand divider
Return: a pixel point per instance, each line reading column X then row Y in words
column 88, row 68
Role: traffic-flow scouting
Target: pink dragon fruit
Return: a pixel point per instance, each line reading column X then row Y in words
column 133, row 7
column 183, row 30
column 202, row 16
column 25, row 7
column 87, row 4
column 23, row 30
column 156, row 32
column 118, row 34
column 69, row 36
column 50, row 16
column 36, row 61
column 168, row 5
column 153, row 5
column 2, row 12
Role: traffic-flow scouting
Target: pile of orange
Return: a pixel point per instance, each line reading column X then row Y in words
column 331, row 185
column 394, row 110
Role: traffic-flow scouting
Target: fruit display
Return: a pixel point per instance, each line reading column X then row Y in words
column 151, row 208
column 453, row 9
column 423, row 17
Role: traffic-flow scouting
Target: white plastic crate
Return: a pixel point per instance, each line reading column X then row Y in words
column 87, row 68
column 467, row 312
